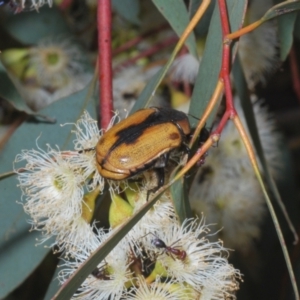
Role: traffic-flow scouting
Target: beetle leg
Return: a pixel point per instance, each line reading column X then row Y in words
column 161, row 162
column 159, row 170
column 186, row 149
column 160, row 174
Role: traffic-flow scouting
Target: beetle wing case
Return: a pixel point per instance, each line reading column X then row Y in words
column 135, row 143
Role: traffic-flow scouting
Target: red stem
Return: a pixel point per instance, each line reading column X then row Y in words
column 225, row 68
column 224, row 17
column 104, row 61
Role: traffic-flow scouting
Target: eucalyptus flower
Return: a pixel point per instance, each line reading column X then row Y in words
column 190, row 258
column 158, row 290
column 62, row 205
column 226, row 189
column 48, row 71
column 56, row 60
column 185, row 68
column 87, row 136
column 21, row 5
column 49, row 184
column 111, row 277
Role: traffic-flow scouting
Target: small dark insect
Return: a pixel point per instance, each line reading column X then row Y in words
column 169, row 250
column 100, row 273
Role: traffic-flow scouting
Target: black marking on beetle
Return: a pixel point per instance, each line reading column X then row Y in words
column 130, row 134
column 103, row 161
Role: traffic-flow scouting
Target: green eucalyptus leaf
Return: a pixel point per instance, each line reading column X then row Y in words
column 176, row 14
column 286, row 25
column 19, row 257
column 283, row 8
column 211, row 61
column 73, row 283
column 242, row 90
column 128, row 9
column 31, row 26
column 250, row 120
column 201, row 28
column 181, row 200
column 9, row 92
column 145, row 97
column 54, row 284
column 17, row 246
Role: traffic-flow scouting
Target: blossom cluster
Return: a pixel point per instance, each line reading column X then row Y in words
column 159, row 258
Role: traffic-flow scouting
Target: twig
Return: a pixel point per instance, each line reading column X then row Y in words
column 105, row 62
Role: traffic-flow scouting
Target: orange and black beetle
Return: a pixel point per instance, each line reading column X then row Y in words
column 142, row 141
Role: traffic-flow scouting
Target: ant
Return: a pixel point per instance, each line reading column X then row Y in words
column 169, row 250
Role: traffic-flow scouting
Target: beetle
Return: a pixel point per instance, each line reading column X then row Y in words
column 142, row 141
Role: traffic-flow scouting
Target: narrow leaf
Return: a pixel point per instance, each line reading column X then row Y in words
column 9, row 92
column 211, row 61
column 285, row 7
column 286, row 25
column 148, row 92
column 54, row 284
column 70, row 287
column 181, row 200
column 15, row 241
column 128, row 9
column 250, row 119
column 177, row 15
column 201, row 28
column 30, row 27
column 150, row 89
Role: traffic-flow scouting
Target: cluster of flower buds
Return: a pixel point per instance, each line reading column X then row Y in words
column 158, row 258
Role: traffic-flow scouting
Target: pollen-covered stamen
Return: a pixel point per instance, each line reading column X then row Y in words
column 50, row 186
column 159, row 290
column 190, row 258
column 185, row 69
column 115, row 276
